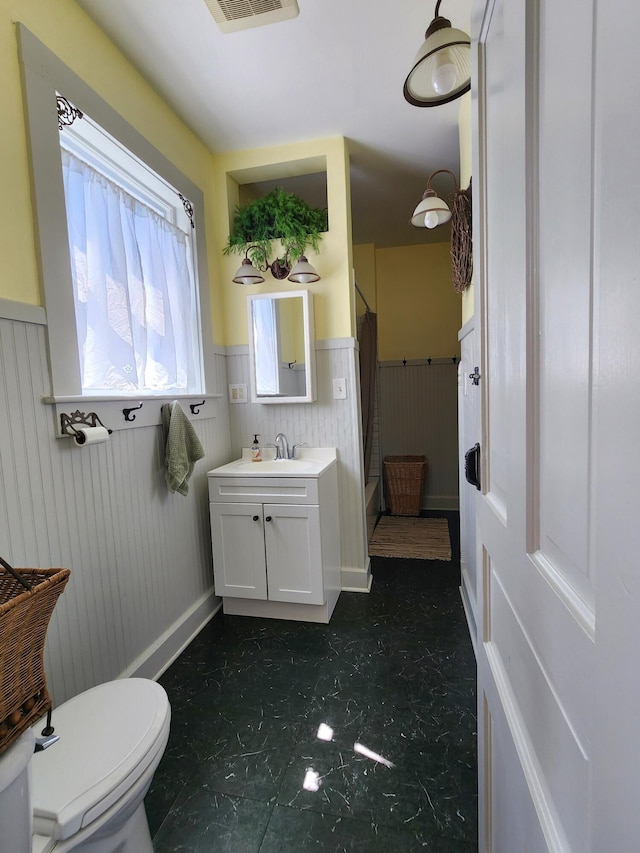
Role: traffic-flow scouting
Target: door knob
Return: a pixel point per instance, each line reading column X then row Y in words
column 472, row 466
column 256, row 518
column 268, row 518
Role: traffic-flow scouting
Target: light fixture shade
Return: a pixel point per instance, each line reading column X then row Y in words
column 303, row 272
column 430, row 212
column 442, row 68
column 247, row 274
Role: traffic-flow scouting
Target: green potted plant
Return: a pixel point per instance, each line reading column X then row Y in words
column 279, row 215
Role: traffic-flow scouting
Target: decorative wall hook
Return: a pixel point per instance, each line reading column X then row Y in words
column 68, row 423
column 127, row 412
column 195, row 407
column 404, row 362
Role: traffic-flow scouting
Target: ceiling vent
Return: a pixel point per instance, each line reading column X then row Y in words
column 233, row 15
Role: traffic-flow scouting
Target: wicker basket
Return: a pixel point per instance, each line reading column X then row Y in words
column 405, row 476
column 24, row 619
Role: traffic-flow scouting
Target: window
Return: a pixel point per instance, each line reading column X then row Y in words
column 127, row 304
column 131, row 247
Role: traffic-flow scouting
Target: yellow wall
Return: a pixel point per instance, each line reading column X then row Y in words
column 332, row 301
column 417, row 306
column 364, row 262
column 413, row 309
column 291, row 331
column 69, row 33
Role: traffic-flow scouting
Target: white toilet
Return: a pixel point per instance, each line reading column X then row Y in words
column 87, row 790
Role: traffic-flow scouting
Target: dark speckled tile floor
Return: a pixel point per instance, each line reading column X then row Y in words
column 394, row 671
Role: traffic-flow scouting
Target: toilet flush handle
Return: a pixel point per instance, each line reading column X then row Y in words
column 45, row 742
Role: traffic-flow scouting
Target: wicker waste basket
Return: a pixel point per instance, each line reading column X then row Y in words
column 405, row 477
column 27, row 599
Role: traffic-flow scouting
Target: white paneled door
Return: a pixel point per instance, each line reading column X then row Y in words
column 557, row 263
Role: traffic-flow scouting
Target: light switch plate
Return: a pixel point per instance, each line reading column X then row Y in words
column 339, row 389
column 237, row 393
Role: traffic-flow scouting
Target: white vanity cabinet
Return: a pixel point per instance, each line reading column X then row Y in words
column 276, row 543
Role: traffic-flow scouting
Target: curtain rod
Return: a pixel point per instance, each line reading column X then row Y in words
column 361, row 295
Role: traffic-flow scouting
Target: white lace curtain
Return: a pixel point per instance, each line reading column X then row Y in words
column 133, row 286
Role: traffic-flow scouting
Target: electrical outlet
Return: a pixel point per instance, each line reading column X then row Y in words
column 339, row 389
column 237, row 393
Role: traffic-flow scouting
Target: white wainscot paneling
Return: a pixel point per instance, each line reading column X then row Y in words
column 323, row 423
column 419, row 414
column 140, row 558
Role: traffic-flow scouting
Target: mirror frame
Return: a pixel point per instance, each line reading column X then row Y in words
column 309, row 347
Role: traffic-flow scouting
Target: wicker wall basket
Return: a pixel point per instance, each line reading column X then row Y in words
column 24, row 619
column 405, row 476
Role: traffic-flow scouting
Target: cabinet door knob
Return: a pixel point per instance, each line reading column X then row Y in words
column 256, row 518
column 268, row 518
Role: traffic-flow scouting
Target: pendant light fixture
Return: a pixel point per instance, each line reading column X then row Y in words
column 431, row 210
column 442, row 68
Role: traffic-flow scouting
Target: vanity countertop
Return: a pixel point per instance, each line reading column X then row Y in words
column 309, row 462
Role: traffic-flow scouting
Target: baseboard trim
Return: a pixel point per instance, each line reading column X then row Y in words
column 357, row 580
column 258, row 608
column 160, row 655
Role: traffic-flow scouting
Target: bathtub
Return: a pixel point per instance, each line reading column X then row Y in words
column 372, row 504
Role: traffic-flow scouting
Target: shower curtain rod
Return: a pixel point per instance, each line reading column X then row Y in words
column 362, row 296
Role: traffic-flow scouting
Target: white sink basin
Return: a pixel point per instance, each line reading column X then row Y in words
column 312, row 462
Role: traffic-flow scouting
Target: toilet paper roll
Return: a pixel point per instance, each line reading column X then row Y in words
column 91, row 435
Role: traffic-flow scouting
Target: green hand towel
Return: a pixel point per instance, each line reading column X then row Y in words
column 182, row 447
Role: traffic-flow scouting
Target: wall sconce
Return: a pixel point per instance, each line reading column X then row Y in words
column 442, row 68
column 302, row 272
column 431, row 210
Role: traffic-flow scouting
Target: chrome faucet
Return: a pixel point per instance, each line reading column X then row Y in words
column 282, row 446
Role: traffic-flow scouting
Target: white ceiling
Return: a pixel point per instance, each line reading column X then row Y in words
column 336, row 69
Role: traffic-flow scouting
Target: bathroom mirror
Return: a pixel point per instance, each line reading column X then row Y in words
column 281, row 348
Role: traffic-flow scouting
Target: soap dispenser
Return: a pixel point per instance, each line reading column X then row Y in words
column 256, row 455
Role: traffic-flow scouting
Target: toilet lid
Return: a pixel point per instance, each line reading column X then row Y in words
column 109, row 735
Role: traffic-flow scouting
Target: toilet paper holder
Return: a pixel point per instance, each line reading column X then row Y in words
column 68, row 423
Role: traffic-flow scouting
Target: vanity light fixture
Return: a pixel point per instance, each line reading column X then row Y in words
column 442, row 68
column 431, row 210
column 302, row 272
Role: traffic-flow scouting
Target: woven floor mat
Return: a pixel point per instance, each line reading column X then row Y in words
column 413, row 538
